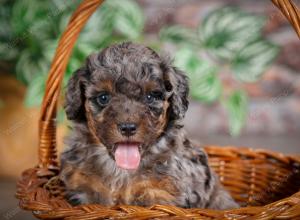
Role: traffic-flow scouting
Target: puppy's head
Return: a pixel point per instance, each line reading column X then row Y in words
column 128, row 96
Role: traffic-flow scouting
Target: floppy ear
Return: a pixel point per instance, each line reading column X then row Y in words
column 176, row 82
column 74, row 98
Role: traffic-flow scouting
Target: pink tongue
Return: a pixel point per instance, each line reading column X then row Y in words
column 127, row 156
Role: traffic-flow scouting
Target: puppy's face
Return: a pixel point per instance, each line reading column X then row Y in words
column 128, row 96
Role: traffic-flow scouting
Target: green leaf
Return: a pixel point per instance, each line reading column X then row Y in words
column 34, row 21
column 29, row 65
column 236, row 105
column 187, row 60
column 225, row 31
column 35, row 91
column 177, row 35
column 206, row 88
column 129, row 19
column 252, row 61
column 82, row 51
column 26, row 13
column 126, row 19
column 205, row 85
column 7, row 49
column 61, row 6
column 100, row 26
column 49, row 48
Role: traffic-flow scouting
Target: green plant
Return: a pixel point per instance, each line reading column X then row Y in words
column 32, row 29
column 230, row 39
column 227, row 38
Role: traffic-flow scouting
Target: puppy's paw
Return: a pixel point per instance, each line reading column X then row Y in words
column 147, row 199
column 221, row 199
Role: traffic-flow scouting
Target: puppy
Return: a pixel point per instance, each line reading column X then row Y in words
column 127, row 145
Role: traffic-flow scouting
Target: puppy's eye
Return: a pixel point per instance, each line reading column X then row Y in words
column 103, row 99
column 153, row 96
column 149, row 98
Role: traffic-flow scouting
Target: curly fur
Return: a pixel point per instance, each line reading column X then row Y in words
column 172, row 170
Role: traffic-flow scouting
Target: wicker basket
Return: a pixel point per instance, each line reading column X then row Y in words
column 265, row 183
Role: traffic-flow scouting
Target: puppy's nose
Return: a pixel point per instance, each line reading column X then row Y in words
column 127, row 129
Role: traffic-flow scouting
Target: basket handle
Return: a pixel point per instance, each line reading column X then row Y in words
column 47, row 123
column 291, row 12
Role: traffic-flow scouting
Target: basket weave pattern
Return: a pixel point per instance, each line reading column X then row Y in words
column 254, row 177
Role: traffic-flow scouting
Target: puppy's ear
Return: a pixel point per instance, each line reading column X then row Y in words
column 74, row 98
column 176, row 82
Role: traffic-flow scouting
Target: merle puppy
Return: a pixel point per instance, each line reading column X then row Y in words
column 127, row 145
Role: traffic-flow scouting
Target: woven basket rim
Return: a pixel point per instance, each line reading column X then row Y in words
column 35, row 197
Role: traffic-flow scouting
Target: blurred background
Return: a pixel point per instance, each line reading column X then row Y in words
column 242, row 58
